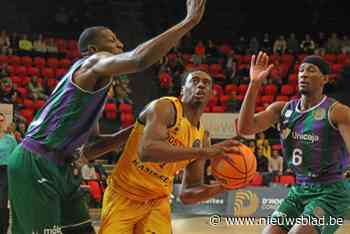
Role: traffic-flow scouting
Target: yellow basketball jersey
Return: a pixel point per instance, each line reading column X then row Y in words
column 144, row 181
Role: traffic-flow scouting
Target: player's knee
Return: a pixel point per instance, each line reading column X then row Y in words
column 83, row 229
column 273, row 229
column 301, row 229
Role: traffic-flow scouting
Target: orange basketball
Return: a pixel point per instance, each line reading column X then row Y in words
column 235, row 170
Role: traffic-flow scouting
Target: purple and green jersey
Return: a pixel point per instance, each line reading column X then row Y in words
column 312, row 146
column 66, row 120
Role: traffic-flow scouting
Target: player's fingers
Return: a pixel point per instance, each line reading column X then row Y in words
column 252, row 62
column 232, row 150
column 258, row 60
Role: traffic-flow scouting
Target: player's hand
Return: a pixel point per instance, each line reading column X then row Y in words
column 195, row 10
column 81, row 160
column 229, row 146
column 259, row 67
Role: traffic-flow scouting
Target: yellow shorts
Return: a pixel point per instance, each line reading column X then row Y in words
column 121, row 215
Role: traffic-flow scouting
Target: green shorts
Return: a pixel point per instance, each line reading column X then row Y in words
column 322, row 205
column 44, row 197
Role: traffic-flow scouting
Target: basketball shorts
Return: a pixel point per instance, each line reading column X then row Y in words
column 44, row 197
column 321, row 205
column 124, row 216
column 3, row 187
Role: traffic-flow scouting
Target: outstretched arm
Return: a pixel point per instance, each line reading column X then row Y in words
column 105, row 144
column 248, row 122
column 105, row 64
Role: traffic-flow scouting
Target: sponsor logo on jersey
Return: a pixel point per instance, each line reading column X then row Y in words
column 288, row 113
column 309, row 138
column 319, row 114
column 285, row 133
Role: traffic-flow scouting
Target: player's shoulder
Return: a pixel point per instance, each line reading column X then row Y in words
column 339, row 112
column 162, row 107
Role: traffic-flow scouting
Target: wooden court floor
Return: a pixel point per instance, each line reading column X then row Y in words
column 200, row 225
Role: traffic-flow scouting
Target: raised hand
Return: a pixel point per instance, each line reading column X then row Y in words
column 229, row 146
column 195, row 10
column 259, row 67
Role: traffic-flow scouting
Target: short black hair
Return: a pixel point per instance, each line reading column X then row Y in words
column 186, row 75
column 89, row 36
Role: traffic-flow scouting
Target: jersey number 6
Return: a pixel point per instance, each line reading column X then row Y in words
column 297, row 157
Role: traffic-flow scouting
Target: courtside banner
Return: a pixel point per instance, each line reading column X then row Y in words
column 221, row 125
column 247, row 202
column 7, row 110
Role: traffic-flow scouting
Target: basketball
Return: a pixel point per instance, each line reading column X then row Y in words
column 235, row 170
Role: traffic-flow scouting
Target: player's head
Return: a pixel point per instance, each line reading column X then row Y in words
column 197, row 88
column 313, row 75
column 97, row 39
column 2, row 122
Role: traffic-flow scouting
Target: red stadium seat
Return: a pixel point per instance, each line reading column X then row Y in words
column 39, row 62
column 23, row 92
column 213, row 101
column 16, row 80
column 24, row 81
column 64, row 63
column 336, row 68
column 342, row 59
column 51, row 83
column 28, row 103
column 125, row 108
column 217, row 90
column 287, row 59
column 3, row 59
column 267, row 99
column 218, row 109
column 22, row 71
column 26, row 61
column 293, row 79
column 224, row 99
column 259, row 109
column 270, row 89
column 282, row 98
column 33, row 71
column 203, row 67
column 230, row 88
column 95, row 190
column 27, row 114
column 126, row 119
column 287, row 180
column 60, row 72
column 330, row 58
column 47, row 73
column 52, row 62
column 14, row 60
column 242, row 89
column 207, row 109
column 38, row 104
column 287, row 90
column 257, row 180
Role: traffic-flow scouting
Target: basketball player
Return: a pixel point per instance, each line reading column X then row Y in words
column 44, row 193
column 7, row 145
column 166, row 138
column 315, row 135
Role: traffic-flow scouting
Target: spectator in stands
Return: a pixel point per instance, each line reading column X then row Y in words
column 25, row 46
column 231, row 66
column 52, row 49
column 36, row 89
column 253, row 46
column 321, row 41
column 101, row 173
column 39, row 46
column 333, row 44
column 199, row 53
column 88, row 172
column 233, row 105
column 212, row 53
column 6, row 90
column 262, row 161
column 4, row 42
column 241, row 45
column 345, row 45
column 266, row 44
column 308, row 45
column 275, row 163
column 293, row 44
column 252, row 145
column 14, row 41
column 122, row 90
column 21, row 129
column 7, row 145
column 280, row 45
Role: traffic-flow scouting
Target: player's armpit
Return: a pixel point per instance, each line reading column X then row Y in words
column 340, row 117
